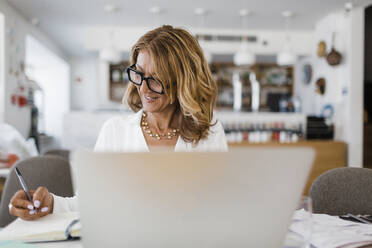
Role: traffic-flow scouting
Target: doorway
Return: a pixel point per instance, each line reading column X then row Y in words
column 367, row 134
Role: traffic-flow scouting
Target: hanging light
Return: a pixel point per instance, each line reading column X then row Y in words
column 287, row 56
column 201, row 13
column 109, row 53
column 244, row 56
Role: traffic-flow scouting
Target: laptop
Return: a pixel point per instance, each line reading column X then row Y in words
column 241, row 198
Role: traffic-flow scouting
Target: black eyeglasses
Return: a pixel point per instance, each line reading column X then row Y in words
column 137, row 78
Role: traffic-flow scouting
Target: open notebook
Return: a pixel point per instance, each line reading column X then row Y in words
column 49, row 228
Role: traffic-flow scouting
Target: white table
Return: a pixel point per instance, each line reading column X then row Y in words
column 64, row 244
column 79, row 244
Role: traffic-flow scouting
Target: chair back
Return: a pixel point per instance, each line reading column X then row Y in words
column 342, row 191
column 59, row 152
column 51, row 172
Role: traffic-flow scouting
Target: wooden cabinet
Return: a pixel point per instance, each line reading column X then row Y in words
column 118, row 80
column 275, row 81
column 329, row 155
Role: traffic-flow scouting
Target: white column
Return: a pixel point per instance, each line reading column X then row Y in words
column 238, row 90
column 354, row 108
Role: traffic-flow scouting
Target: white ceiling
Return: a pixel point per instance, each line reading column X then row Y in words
column 64, row 20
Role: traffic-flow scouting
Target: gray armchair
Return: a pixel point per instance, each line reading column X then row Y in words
column 52, row 172
column 342, row 191
column 59, row 152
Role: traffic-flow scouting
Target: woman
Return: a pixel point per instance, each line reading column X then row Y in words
column 173, row 93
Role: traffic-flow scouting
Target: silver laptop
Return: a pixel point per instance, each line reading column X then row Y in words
column 240, row 198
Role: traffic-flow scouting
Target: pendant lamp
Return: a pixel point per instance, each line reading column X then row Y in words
column 287, row 57
column 109, row 53
column 244, row 56
column 201, row 13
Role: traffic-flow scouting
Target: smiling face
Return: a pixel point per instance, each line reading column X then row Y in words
column 151, row 101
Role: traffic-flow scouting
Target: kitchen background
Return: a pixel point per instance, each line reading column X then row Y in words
column 284, row 68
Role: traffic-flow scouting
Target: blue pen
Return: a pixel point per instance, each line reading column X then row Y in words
column 23, row 183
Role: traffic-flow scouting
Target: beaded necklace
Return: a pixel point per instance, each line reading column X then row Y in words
column 146, row 129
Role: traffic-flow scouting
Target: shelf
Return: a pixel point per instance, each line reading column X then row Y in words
column 275, row 82
column 118, row 80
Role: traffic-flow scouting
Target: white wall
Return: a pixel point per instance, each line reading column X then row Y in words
column 336, row 79
column 84, row 83
column 90, row 85
column 97, row 38
column 355, row 78
column 53, row 75
column 306, row 92
column 16, row 29
column 344, row 83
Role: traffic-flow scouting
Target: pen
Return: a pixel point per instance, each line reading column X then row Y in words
column 23, row 183
column 359, row 219
column 355, row 218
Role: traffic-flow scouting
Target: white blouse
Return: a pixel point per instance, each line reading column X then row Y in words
column 120, row 134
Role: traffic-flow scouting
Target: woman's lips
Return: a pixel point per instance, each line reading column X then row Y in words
column 150, row 99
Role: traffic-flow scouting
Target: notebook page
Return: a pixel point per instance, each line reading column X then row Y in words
column 50, row 227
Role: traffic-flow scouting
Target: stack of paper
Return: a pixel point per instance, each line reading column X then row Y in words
column 331, row 231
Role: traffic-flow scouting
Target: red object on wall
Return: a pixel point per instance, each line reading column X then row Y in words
column 19, row 97
column 19, row 100
column 22, row 101
column 13, row 99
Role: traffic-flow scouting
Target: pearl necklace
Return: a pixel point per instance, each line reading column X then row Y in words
column 146, row 129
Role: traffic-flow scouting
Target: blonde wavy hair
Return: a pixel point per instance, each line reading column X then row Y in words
column 180, row 65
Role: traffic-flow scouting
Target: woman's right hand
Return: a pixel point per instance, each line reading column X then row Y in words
column 42, row 204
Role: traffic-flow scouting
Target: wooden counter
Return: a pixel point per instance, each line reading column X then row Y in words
column 329, row 155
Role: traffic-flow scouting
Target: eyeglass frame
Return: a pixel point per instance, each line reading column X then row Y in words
column 130, row 68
